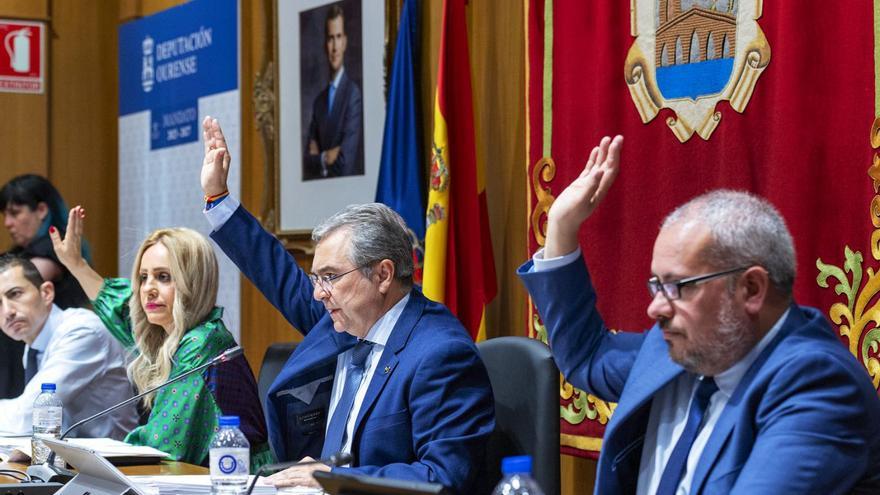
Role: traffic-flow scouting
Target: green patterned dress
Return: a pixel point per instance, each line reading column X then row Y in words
column 185, row 414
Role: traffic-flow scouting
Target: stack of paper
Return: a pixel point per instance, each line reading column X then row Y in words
column 121, row 453
column 201, row 484
column 18, row 449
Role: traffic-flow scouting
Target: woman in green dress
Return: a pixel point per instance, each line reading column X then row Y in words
column 167, row 317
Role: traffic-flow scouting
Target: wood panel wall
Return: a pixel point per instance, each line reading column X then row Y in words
column 69, row 134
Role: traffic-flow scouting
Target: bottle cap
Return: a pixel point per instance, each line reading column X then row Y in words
column 48, row 386
column 229, row 421
column 521, row 464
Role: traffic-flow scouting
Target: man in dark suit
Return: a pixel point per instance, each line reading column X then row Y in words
column 382, row 372
column 736, row 389
column 335, row 140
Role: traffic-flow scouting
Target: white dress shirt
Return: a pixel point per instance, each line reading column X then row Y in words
column 670, row 405
column 87, row 365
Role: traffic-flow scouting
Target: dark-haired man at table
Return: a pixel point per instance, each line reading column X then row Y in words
column 70, row 348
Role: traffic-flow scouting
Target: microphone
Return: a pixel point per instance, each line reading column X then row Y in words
column 49, row 472
column 337, row 459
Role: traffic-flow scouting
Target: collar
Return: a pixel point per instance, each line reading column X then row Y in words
column 335, row 81
column 215, row 314
column 45, row 335
column 381, row 330
column 728, row 379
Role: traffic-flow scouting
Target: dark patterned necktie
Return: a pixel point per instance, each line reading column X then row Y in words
column 330, row 97
column 31, row 369
column 354, row 374
column 678, row 460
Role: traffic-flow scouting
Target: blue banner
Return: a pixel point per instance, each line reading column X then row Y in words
column 169, row 60
column 401, row 184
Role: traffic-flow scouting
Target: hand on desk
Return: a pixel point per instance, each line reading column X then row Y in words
column 298, row 475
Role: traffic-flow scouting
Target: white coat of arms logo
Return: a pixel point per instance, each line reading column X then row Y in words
column 689, row 55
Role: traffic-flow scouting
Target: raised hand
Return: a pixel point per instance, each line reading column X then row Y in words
column 69, row 253
column 69, row 249
column 215, row 168
column 579, row 200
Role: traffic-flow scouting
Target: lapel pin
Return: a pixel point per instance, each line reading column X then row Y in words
column 387, row 369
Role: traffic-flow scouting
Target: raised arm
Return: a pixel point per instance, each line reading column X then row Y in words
column 69, row 252
column 257, row 253
column 578, row 201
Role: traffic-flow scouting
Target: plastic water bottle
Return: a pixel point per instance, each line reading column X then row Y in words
column 47, row 415
column 230, row 458
column 517, row 477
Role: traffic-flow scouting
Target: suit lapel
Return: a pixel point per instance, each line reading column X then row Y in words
column 388, row 362
column 652, row 371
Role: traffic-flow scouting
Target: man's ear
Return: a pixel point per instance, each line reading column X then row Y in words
column 47, row 293
column 755, row 284
column 385, row 271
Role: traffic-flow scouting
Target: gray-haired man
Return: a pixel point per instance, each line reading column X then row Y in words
column 382, row 373
column 736, row 389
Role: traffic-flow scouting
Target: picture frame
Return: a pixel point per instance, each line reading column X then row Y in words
column 308, row 189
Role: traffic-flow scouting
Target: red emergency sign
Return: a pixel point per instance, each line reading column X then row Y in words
column 22, row 56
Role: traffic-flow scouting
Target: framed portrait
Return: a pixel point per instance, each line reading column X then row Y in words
column 330, row 108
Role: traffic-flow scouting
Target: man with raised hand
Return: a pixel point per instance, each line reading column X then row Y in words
column 382, row 372
column 735, row 389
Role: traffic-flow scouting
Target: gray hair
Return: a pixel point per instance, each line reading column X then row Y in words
column 377, row 233
column 746, row 230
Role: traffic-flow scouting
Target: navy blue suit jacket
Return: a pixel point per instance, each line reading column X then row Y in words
column 804, row 419
column 343, row 127
column 428, row 411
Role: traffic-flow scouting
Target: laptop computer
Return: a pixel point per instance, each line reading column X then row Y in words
column 96, row 475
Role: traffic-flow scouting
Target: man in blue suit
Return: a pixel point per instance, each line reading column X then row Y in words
column 335, row 144
column 735, row 389
column 382, row 372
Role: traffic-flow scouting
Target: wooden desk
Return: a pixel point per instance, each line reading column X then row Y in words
column 164, row 467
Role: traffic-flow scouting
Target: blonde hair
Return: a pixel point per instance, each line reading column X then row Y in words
column 195, row 274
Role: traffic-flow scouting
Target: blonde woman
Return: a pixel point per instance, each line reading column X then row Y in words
column 166, row 316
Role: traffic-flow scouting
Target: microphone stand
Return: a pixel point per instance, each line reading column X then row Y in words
column 49, row 472
column 337, row 459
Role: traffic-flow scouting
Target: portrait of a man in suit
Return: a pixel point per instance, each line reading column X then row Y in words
column 333, row 144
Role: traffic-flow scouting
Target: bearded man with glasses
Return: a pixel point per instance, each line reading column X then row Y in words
column 382, row 373
column 735, row 389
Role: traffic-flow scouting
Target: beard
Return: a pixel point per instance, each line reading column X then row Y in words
column 722, row 347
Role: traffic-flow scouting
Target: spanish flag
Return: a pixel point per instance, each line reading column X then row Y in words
column 459, row 266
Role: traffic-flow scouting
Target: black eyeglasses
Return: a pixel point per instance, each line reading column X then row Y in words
column 672, row 289
column 326, row 281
